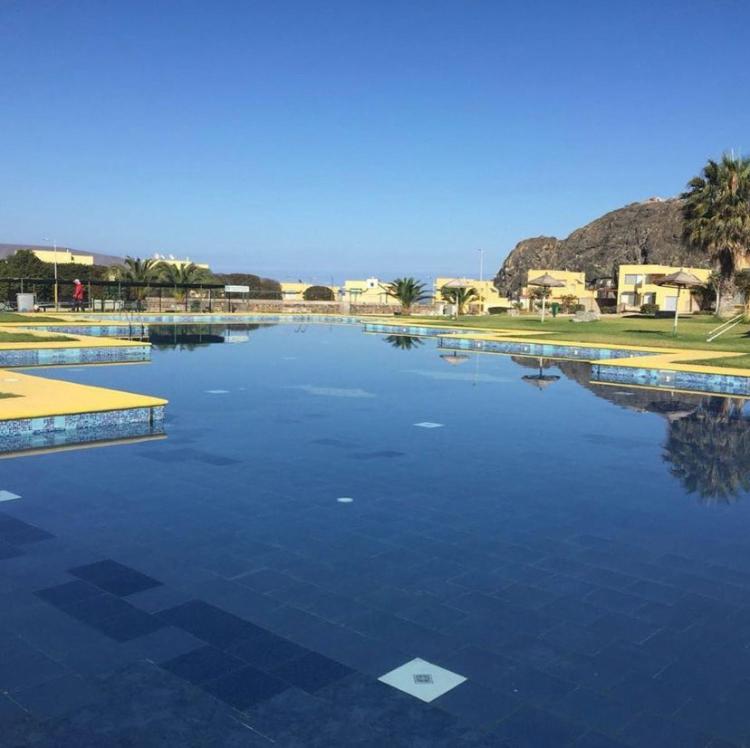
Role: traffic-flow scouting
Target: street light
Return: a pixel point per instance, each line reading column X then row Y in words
column 54, row 249
column 481, row 280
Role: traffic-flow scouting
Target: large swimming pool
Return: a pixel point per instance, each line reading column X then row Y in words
column 352, row 539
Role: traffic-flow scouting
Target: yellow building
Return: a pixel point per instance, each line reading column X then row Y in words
column 63, row 257
column 575, row 284
column 636, row 285
column 489, row 296
column 295, row 291
column 178, row 263
column 368, row 291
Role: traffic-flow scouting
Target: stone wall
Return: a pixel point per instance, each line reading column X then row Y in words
column 153, row 305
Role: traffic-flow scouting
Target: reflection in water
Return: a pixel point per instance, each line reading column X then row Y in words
column 189, row 337
column 539, row 380
column 709, row 450
column 404, row 342
column 708, row 438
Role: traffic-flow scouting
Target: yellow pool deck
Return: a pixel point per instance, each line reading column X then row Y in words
column 38, row 397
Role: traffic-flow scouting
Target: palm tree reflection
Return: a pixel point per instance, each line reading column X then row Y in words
column 404, row 342
column 709, row 450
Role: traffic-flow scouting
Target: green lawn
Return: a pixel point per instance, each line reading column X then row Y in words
column 25, row 337
column 643, row 331
column 40, row 319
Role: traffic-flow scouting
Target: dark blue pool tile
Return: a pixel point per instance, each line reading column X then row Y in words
column 268, row 652
column 201, row 665
column 476, row 705
column 17, row 532
column 530, row 727
column 209, row 623
column 624, row 627
column 27, row 670
column 58, row 697
column 573, row 637
column 656, row 591
column 657, row 695
column 533, row 685
column 96, row 608
column 615, row 600
column 245, row 687
column 589, row 707
column 129, row 625
column 265, row 580
column 651, row 731
column 572, row 610
column 596, row 739
column 114, row 577
column 9, row 551
column 68, row 593
column 727, row 720
column 311, row 672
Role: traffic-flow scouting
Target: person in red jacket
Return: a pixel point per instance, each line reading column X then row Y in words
column 79, row 293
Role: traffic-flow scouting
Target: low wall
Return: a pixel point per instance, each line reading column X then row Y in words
column 725, row 384
column 80, row 428
column 62, row 356
column 154, row 305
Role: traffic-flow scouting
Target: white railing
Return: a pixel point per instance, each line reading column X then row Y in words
column 724, row 327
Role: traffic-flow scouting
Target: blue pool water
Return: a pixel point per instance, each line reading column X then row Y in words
column 578, row 552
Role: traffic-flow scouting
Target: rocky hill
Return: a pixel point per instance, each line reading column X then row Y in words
column 641, row 233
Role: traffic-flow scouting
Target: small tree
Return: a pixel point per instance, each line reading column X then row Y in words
column 538, row 293
column 318, row 293
column 568, row 302
column 460, row 297
column 408, row 291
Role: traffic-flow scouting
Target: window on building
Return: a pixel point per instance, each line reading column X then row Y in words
column 631, row 280
column 649, row 298
column 627, row 298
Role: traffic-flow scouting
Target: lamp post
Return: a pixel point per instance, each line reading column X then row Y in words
column 481, row 280
column 54, row 251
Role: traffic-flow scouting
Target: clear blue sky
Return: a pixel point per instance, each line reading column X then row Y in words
column 314, row 139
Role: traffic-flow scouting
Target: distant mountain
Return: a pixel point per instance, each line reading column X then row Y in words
column 100, row 259
column 638, row 234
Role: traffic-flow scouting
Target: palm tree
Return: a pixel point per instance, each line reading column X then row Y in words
column 709, row 451
column 460, row 297
column 143, row 272
column 408, row 291
column 717, row 218
column 180, row 275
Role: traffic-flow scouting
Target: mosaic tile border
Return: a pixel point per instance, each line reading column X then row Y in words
column 671, row 379
column 60, row 356
column 78, row 428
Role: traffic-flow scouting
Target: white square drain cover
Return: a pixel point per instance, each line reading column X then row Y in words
column 422, row 679
column 429, row 425
column 8, row 496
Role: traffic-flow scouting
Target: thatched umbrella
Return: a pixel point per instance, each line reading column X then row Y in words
column 540, row 380
column 679, row 280
column 455, row 358
column 546, row 281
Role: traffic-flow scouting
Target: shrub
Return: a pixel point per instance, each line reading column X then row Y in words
column 497, row 310
column 318, row 293
column 607, row 309
column 649, row 309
